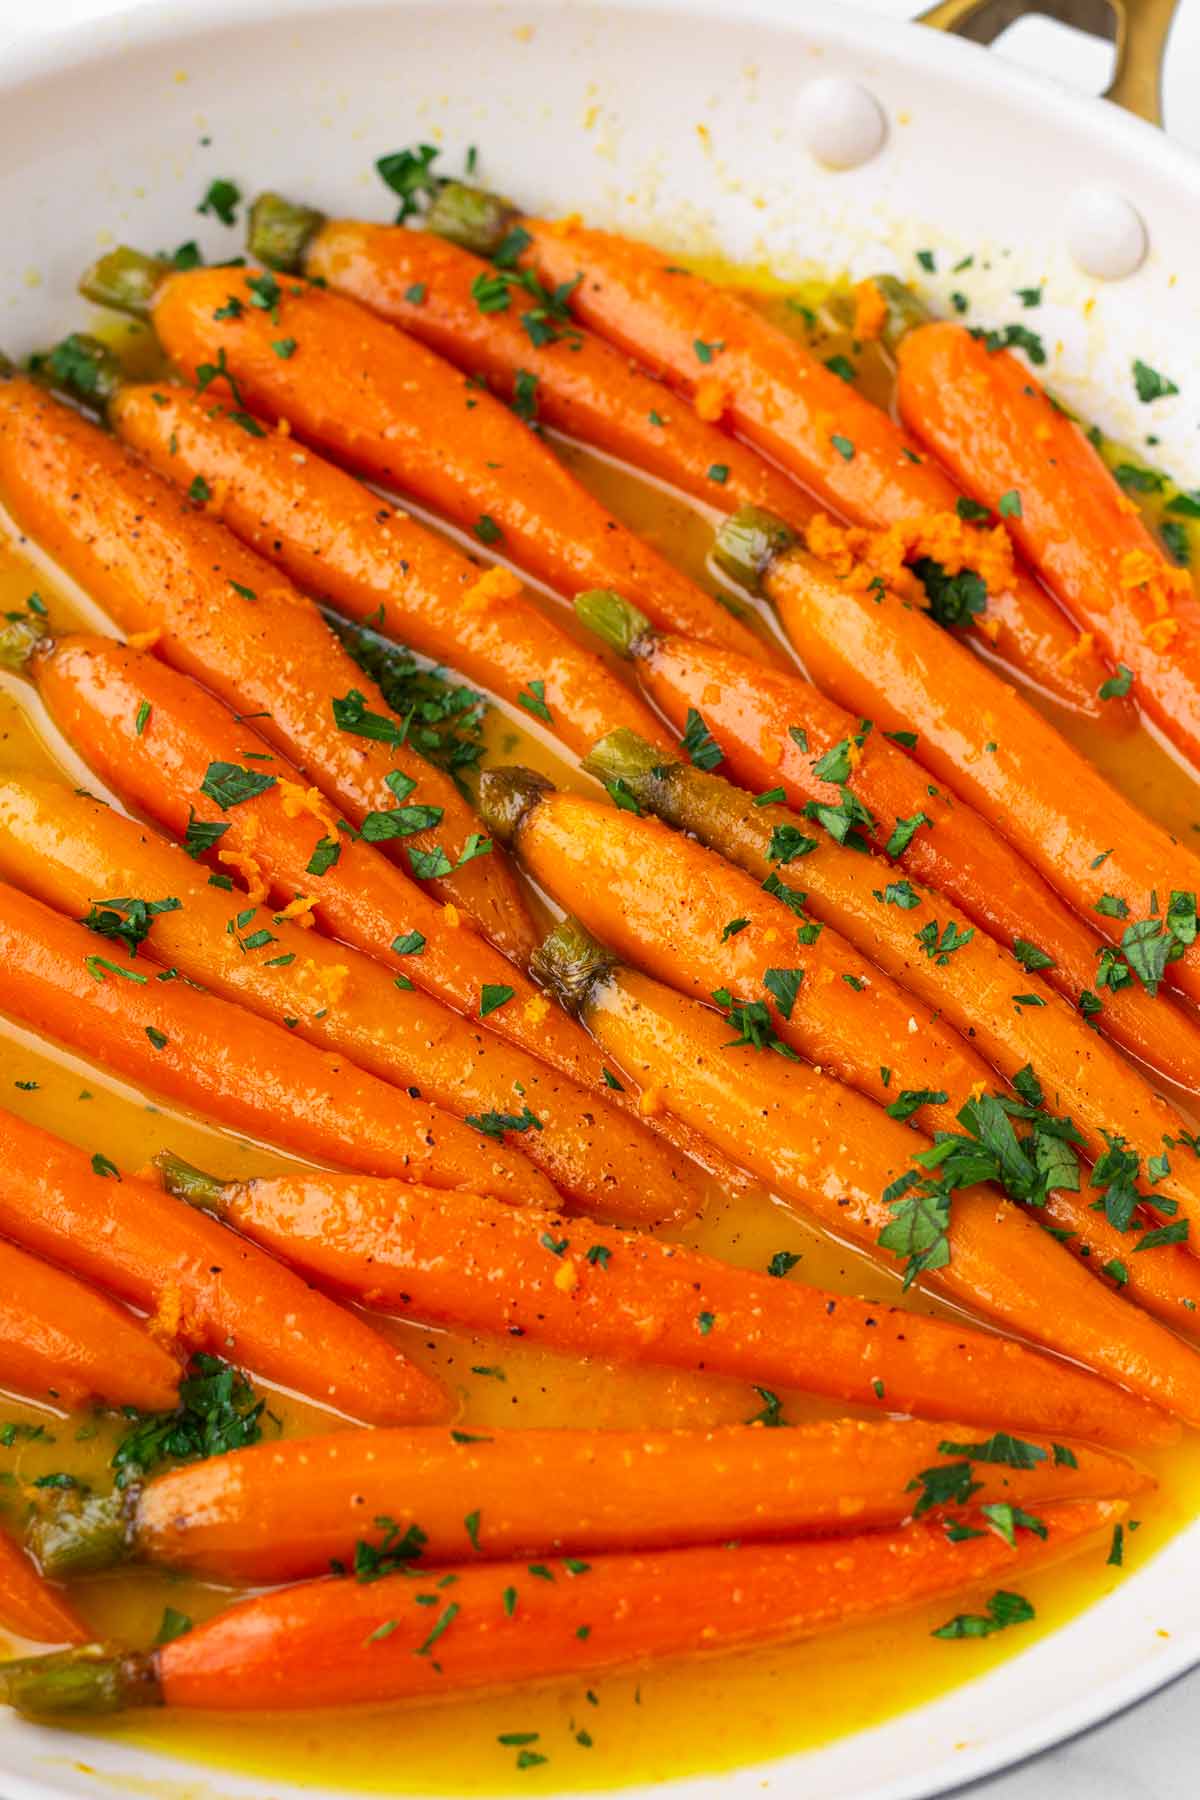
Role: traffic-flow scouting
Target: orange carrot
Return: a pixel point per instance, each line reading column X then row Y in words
column 885, row 661
column 386, row 406
column 252, row 1076
column 222, row 614
column 664, row 903
column 1011, row 1016
column 774, row 729
column 281, row 1512
column 997, row 431
column 29, row 1606
column 339, row 1643
column 96, row 690
column 68, row 850
column 60, row 1344
column 738, row 367
column 332, row 535
column 203, row 1285
column 596, row 1291
column 485, row 320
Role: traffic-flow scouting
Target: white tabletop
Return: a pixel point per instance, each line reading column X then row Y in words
column 1152, row 1752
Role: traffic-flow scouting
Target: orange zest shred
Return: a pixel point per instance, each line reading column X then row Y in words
column 493, row 584
column 861, row 556
column 870, row 311
column 709, row 399
column 245, row 866
column 299, row 911
column 297, row 800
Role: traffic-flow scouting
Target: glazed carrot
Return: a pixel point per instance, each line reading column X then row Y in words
column 334, row 536
column 664, row 903
column 997, row 431
column 61, row 1344
column 738, row 367
column 486, row 322
column 883, row 660
column 216, row 611
column 390, row 409
column 202, row 1285
column 29, row 1606
column 252, row 1076
column 339, row 1643
column 68, row 850
column 1012, row 1017
column 95, row 691
column 774, row 728
column 281, row 1512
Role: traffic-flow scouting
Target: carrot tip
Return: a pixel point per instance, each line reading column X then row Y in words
column 470, row 216
column 125, row 279
column 571, row 964
column 506, row 796
column 279, row 232
column 615, row 622
column 748, row 543
column 85, row 1682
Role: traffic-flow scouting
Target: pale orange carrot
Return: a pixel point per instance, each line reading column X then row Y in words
column 775, row 730
column 61, row 1344
column 72, row 852
column 29, row 1606
column 218, row 612
column 281, row 1512
column 995, row 428
column 202, row 1285
column 386, row 406
column 342, row 1643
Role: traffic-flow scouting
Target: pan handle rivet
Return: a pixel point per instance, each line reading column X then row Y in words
column 842, row 124
column 1106, row 235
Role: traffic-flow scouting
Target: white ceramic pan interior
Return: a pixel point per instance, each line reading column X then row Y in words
column 677, row 121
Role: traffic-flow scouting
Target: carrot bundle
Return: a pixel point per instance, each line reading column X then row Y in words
column 215, row 610
column 29, row 1606
column 202, row 1285
column 487, row 322
column 283, row 1512
column 1011, row 1016
column 774, row 731
column 66, row 849
column 1133, row 881
column 161, row 1032
column 381, row 403
column 738, row 367
column 339, row 1643
column 61, row 1344
column 998, row 432
column 591, row 1289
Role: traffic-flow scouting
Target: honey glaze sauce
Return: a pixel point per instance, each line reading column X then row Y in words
column 663, row 1722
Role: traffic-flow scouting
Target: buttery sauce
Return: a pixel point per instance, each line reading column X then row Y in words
column 702, row 1717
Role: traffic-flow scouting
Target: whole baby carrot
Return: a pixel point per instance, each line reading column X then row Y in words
column 334, row 536
column 776, row 731
column 386, row 406
column 709, row 930
column 213, row 609
column 1131, row 879
column 61, row 1344
column 280, row 836
column 997, row 431
column 68, row 850
column 792, row 1127
column 29, row 1606
column 598, row 1291
column 489, row 321
column 739, row 367
column 286, row 1511
column 202, row 1285
column 1012, row 1017
column 339, row 1643
column 161, row 1032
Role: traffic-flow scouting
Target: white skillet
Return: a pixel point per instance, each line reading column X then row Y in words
column 679, row 121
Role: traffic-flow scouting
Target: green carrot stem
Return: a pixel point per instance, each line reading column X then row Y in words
column 506, row 796
column 125, row 279
column 748, row 543
column 615, row 621
column 472, row 217
column 279, row 232
column 83, row 1683
column 571, row 964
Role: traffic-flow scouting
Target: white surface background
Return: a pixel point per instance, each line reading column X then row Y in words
column 1152, row 1752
